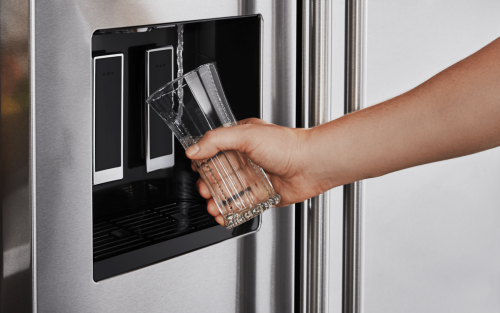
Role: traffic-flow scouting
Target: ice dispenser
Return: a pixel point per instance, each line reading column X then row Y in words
column 146, row 208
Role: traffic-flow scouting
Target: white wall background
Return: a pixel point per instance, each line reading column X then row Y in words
column 431, row 233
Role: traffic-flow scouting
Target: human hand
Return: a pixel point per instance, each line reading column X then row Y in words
column 280, row 151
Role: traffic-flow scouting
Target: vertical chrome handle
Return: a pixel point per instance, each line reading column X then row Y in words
column 316, row 23
column 354, row 93
column 316, row 80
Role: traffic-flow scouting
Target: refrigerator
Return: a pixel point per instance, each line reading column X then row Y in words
column 421, row 239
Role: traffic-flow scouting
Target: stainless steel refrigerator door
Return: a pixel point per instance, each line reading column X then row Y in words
column 431, row 233
column 253, row 274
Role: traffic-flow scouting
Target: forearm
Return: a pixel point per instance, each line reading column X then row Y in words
column 455, row 113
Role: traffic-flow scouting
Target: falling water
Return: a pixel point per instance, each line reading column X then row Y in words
column 180, row 70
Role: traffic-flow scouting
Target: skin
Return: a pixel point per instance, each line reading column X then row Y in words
column 455, row 113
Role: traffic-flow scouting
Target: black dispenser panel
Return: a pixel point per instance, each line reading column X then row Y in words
column 150, row 216
column 159, row 71
column 108, row 118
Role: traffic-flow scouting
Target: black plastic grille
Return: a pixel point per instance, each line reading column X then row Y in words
column 141, row 216
column 134, row 230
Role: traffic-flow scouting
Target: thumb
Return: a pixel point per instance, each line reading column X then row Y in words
column 221, row 139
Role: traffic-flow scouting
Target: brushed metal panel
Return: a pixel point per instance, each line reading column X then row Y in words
column 432, row 233
column 208, row 280
column 15, row 147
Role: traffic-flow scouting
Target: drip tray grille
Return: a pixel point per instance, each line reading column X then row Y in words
column 149, row 225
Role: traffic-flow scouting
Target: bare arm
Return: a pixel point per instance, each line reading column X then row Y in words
column 455, row 113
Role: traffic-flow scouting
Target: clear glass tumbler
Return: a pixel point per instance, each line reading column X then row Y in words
column 192, row 105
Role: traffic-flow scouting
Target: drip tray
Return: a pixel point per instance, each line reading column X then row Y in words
column 133, row 230
column 136, row 226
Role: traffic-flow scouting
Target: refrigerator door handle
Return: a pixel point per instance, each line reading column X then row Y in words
column 354, row 100
column 317, row 16
column 316, row 102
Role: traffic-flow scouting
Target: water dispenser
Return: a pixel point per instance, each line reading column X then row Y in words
column 146, row 207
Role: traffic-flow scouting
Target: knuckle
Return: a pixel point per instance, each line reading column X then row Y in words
column 211, row 135
column 252, row 120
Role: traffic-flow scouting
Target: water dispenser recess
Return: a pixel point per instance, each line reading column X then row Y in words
column 159, row 138
column 108, row 115
column 153, row 211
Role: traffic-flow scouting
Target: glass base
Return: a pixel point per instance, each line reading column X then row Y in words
column 234, row 219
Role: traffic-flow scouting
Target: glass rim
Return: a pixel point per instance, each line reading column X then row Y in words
column 160, row 92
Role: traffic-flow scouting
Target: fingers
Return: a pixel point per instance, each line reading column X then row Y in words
column 203, row 189
column 219, row 219
column 214, row 211
column 225, row 138
column 211, row 205
column 239, row 137
column 212, row 208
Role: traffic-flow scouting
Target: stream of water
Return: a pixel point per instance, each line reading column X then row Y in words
column 180, row 71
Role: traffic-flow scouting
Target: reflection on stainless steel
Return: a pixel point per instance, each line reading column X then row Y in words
column 282, row 62
column 304, row 206
column 355, row 88
column 62, row 180
column 317, row 102
column 15, row 144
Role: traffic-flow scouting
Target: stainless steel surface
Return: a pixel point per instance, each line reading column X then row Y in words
column 16, row 147
column 336, row 207
column 319, row 77
column 165, row 160
column 317, row 96
column 209, row 280
column 115, row 173
column 352, row 247
column 355, row 55
column 432, row 232
column 318, row 254
column 306, row 60
column 353, row 206
column 304, row 206
column 304, row 210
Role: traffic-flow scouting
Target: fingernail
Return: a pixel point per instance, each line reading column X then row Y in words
column 193, row 150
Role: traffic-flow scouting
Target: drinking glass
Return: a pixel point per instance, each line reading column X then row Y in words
column 194, row 104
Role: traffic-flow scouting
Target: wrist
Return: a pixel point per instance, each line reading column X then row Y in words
column 329, row 156
column 314, row 160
